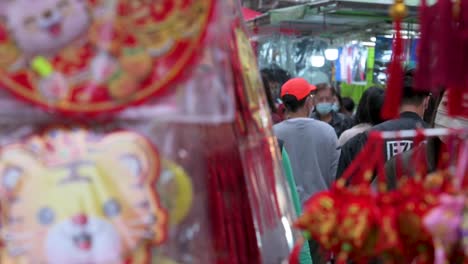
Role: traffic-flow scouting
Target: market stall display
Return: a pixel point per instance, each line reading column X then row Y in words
column 418, row 221
column 136, row 132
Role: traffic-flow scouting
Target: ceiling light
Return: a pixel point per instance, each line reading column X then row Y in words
column 371, row 44
column 317, row 61
column 331, row 54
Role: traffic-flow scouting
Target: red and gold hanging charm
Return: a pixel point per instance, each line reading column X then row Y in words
column 90, row 57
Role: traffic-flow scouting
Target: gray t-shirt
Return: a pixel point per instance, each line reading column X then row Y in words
column 312, row 146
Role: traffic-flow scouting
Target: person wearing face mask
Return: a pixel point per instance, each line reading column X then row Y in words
column 337, row 103
column 311, row 145
column 413, row 106
column 327, row 109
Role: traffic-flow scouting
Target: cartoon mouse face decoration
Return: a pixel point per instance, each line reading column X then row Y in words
column 70, row 197
column 45, row 27
column 94, row 56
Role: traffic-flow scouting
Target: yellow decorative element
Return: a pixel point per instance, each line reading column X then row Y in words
column 252, row 82
column 136, row 62
column 327, row 203
column 382, row 187
column 368, row 175
column 8, row 54
column 42, row 66
column 387, row 226
column 70, row 180
column 398, row 11
column 353, row 209
column 123, row 86
column 434, row 180
column 456, row 9
column 341, row 183
column 176, row 191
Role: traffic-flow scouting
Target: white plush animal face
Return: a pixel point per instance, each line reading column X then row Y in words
column 44, row 27
column 83, row 240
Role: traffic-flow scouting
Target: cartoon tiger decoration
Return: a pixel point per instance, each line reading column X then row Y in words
column 69, row 196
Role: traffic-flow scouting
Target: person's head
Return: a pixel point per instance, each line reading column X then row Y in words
column 443, row 120
column 363, row 112
column 413, row 100
column 296, row 98
column 274, row 78
column 324, row 99
column 268, row 93
column 337, row 103
column 375, row 101
column 348, row 105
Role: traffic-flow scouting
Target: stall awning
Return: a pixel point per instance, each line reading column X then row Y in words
column 250, row 14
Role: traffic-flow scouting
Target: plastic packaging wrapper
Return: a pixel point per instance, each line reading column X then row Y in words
column 136, row 132
column 293, row 54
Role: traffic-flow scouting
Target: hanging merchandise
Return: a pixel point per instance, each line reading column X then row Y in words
column 353, row 62
column 189, row 175
column 394, row 89
column 116, row 222
column 442, row 58
column 257, row 153
column 421, row 221
column 98, row 56
column 278, row 50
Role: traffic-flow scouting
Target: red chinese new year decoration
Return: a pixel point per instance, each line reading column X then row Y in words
column 90, row 57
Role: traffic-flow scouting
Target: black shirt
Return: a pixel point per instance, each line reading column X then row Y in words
column 407, row 120
column 339, row 122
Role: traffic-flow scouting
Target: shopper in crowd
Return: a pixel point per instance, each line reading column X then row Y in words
column 432, row 147
column 367, row 114
column 311, row 145
column 413, row 106
column 324, row 99
column 348, row 106
column 337, row 103
column 273, row 78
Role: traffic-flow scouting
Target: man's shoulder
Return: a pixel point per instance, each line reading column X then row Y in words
column 323, row 126
column 400, row 124
column 312, row 124
column 356, row 141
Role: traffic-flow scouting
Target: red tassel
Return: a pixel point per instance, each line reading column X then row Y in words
column 444, row 43
column 394, row 92
column 422, row 78
column 294, row 258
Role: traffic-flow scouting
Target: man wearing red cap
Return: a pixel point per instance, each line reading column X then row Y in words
column 311, row 144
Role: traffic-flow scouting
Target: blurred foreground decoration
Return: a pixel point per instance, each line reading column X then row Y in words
column 189, row 175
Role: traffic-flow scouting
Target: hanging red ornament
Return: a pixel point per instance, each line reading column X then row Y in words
column 100, row 57
column 423, row 79
column 394, row 90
